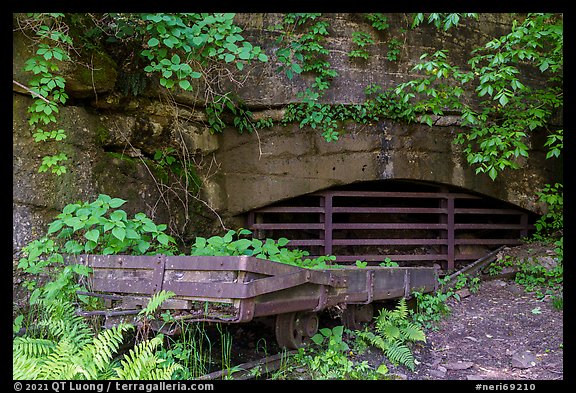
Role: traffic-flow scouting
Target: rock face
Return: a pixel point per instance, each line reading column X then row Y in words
column 113, row 137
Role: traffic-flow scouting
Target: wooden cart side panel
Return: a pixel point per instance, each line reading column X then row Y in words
column 129, row 281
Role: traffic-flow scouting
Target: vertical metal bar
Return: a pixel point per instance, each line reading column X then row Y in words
column 250, row 220
column 451, row 236
column 328, row 224
column 158, row 277
column 443, row 219
column 524, row 223
column 321, row 220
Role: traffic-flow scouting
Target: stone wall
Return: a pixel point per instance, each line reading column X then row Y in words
column 112, row 136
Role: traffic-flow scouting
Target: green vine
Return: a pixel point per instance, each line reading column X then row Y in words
column 496, row 136
column 47, row 88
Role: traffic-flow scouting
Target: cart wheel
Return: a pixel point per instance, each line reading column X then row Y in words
column 355, row 314
column 295, row 328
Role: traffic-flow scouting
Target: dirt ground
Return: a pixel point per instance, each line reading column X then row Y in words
column 500, row 332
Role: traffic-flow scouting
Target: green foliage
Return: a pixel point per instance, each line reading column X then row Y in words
column 394, row 46
column 89, row 227
column 394, row 331
column 170, row 165
column 328, row 359
column 379, row 21
column 52, row 44
column 508, row 108
column 177, row 43
column 552, row 222
column 388, row 263
column 465, row 280
column 270, row 249
column 432, row 307
column 61, row 345
column 192, row 349
column 302, row 50
column 539, row 279
column 442, row 20
column 155, row 302
column 361, row 40
column 142, row 363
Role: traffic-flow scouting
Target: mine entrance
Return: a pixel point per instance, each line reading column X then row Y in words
column 412, row 223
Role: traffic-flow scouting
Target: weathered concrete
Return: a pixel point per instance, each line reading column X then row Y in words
column 282, row 163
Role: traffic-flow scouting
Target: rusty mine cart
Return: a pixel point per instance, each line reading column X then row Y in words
column 237, row 289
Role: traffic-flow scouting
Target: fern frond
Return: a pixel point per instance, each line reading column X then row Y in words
column 389, row 330
column 156, row 301
column 399, row 353
column 401, row 310
column 413, row 332
column 62, row 363
column 100, row 351
column 25, row 368
column 61, row 321
column 30, row 347
column 373, row 340
column 140, row 360
column 165, row 373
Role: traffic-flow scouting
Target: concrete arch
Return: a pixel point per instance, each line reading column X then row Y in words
column 285, row 162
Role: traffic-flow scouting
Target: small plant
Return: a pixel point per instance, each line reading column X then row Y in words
column 88, row 227
column 149, row 313
column 62, row 346
column 52, row 46
column 497, row 266
column 333, row 362
column 394, row 46
column 432, row 307
column 232, row 243
column 361, row 264
column 379, row 21
column 465, row 280
column 394, row 331
column 192, row 349
column 388, row 263
column 361, row 40
column 552, row 222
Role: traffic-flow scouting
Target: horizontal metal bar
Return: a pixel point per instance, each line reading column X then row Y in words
column 394, row 258
column 238, row 290
column 376, row 210
column 108, row 313
column 140, row 286
column 288, row 226
column 290, row 209
column 378, row 242
column 467, row 257
column 306, row 242
column 486, row 211
column 388, row 226
column 395, row 194
column 488, row 241
column 490, row 226
column 122, row 261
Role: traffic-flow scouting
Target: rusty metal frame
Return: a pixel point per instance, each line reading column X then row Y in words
column 446, row 226
column 258, row 287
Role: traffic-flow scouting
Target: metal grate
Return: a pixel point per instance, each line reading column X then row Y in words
column 408, row 226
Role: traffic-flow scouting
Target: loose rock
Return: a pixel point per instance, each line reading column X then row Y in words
column 458, row 365
column 523, row 359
